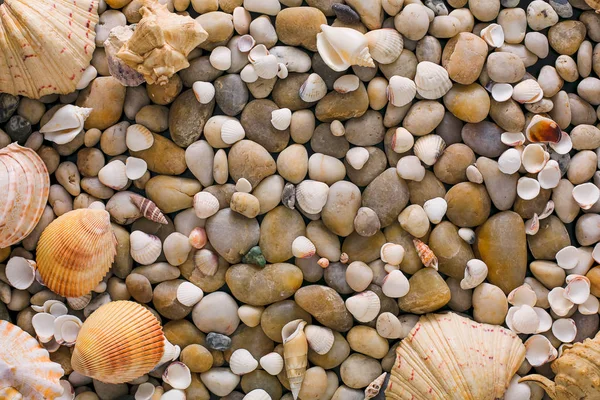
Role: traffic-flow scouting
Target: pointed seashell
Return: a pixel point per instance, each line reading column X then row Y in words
column 564, row 329
column 509, row 162
column 364, row 306
column 204, row 92
column 346, row 84
column 567, row 257
column 385, row 45
column 467, row 234
column 559, row 304
column 493, row 34
column 205, row 205
column 20, row 272
column 313, row 89
column 392, row 253
column 532, row 225
column 43, row 324
column 248, row 74
column 206, row 261
column 590, row 307
column 549, row 176
column 577, row 289
column 135, row 168
column 401, row 91
column 232, row 131
column 114, row 175
column 357, row 157
column 66, row 123
column 432, row 80
column 189, row 294
column 522, row 319
column 312, row 196
column 435, row 209
column 243, row 185
column 522, row 295
column 138, row 138
column 425, row 254
column 66, row 329
column 475, row 273
column 528, row 188
column 145, row 391
column 177, row 375
column 302, row 247
column 242, row 362
column 429, row 148
column 473, row 174
column 295, row 351
column 320, row 339
column 502, row 92
column 527, row 91
column 534, row 158
column 395, row 285
column 375, row 387
column 541, row 129
column 118, row 342
column 144, row 248
column 220, row 58
column 512, row 139
column 341, row 48
column 539, row 350
column 73, row 264
column 586, row 195
column 266, row 67
column 272, row 363
column 148, row 209
column 79, row 303
column 282, row 71
column 281, row 118
column 245, row 43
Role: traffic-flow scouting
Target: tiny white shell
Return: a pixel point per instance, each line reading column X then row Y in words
column 429, row 148
column 401, row 90
column 204, row 91
column 577, row 289
column 549, row 176
column 282, row 71
column 242, row 362
column 144, row 248
column 205, row 204
column 493, row 34
column 559, row 304
column 528, row 188
column 467, row 234
column 138, row 138
column 527, row 91
column 248, row 74
column 281, row 118
column 532, row 225
column 66, row 329
column 243, row 185
column 539, row 350
column 475, row 273
column 392, row 253
column 189, row 294
column 232, row 131
column 435, row 209
column 272, row 363
column 245, row 43
column 302, row 247
column 586, row 195
column 135, row 168
column 512, row 139
column 114, row 175
column 220, row 58
column 590, row 307
column 502, row 92
column 319, row 338
column 402, row 141
column 534, row 158
column 564, row 329
column 312, row 196
column 20, row 272
column 178, row 375
column 43, row 324
column 257, row 52
column 522, row 319
column 567, row 257
column 313, row 89
column 346, row 84
column 65, row 124
column 395, row 285
column 509, row 162
column 357, row 157
column 174, row 394
column 432, row 80
column 364, row 306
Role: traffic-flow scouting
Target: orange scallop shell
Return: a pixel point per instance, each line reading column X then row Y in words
column 119, row 342
column 76, row 251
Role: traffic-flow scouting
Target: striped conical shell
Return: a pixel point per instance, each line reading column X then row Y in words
column 75, row 251
column 119, row 342
column 45, row 45
column 25, row 184
column 25, row 366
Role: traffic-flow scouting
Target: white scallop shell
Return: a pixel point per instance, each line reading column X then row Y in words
column 144, row 248
column 564, row 145
column 401, row 91
column 281, row 118
column 178, row 375
column 272, row 363
column 586, row 195
column 550, row 175
column 206, row 261
column 528, row 188
column 266, row 67
column 43, row 325
column 357, row 157
column 145, row 391
column 509, row 162
column 313, row 89
column 205, row 204
column 114, row 175
column 395, row 284
column 432, row 80
column 302, row 247
column 346, row 84
column 493, row 34
column 385, row 45
column 20, row 272
column 204, row 91
column 429, row 148
column 189, row 294
column 248, row 74
column 232, row 131
column 341, row 48
column 364, row 306
column 135, row 168
column 312, row 196
column 138, row 138
column 527, row 91
column 65, row 124
column 242, row 362
column 319, row 338
column 220, row 58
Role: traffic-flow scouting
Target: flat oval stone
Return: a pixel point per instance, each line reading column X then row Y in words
column 550, row 238
column 342, row 205
column 343, row 106
column 299, row 26
column 164, row 157
column 451, row 250
column 367, row 130
column 388, row 185
column 365, row 249
column 286, row 92
column 429, row 188
column 484, row 139
column 275, row 316
column 323, row 141
column 468, row 204
column 258, row 286
column 187, row 117
column 334, row 357
column 411, row 262
column 326, row 242
column 252, row 339
column 250, row 160
column 501, row 187
column 325, row 305
column 231, row 234
column 231, row 94
column 469, row 103
column 172, row 193
column 374, row 166
column 278, row 230
column 428, row 292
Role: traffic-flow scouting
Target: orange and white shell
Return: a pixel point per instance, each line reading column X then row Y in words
column 119, row 342
column 25, row 185
column 76, row 251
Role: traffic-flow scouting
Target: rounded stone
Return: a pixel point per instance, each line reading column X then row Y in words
column 18, row 128
column 367, row 130
column 165, row 300
column 323, row 141
column 429, row 188
column 428, row 292
column 197, row 358
column 388, row 185
column 275, row 316
column 183, row 333
column 358, row 371
column 278, row 230
column 8, row 106
column 256, row 120
column 298, row 26
column 484, row 138
column 566, row 36
column 464, row 56
column 171, row 193
column 340, row 209
column 286, row 92
column 338, row 106
column 187, row 118
column 366, row 340
column 450, row 249
column 551, row 237
column 106, row 96
column 451, row 167
column 469, row 204
column 258, row 286
column 325, row 305
column 250, row 160
column 231, row 94
column 217, row 341
column 469, row 103
column 139, row 287
column 335, row 277
column 163, row 157
column 252, row 339
column 216, row 312
column 232, row 234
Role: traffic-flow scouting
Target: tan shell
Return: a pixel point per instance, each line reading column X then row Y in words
column 119, row 342
column 26, row 185
column 446, row 356
column 161, row 42
column 426, row 255
column 26, row 367
column 75, row 251
column 341, row 48
column 295, row 353
column 45, row 45
column 577, row 371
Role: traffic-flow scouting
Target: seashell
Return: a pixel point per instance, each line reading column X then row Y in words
column 375, row 387
column 564, row 329
column 266, row 67
column 532, row 225
column 295, row 351
column 385, row 45
column 467, row 234
column 220, row 58
column 313, row 89
column 257, row 394
column 174, row 394
column 320, row 339
column 148, row 209
column 567, row 257
column 534, row 158
column 559, row 304
column 346, row 84
column 204, row 92
column 245, row 43
column 548, row 210
column 118, row 342
column 312, row 196
column 144, row 248
column 138, row 138
column 357, row 157
column 114, row 175
column 422, row 366
column 522, row 295
column 145, row 391
column 493, row 34
column 171, row 353
column 401, row 91
column 527, row 91
column 432, row 80
column 564, row 146
column 549, row 176
column 272, row 363
column 232, row 131
column 135, row 168
column 26, row 366
column 512, row 139
column 72, row 265
column 26, row 188
column 395, row 285
column 243, row 185
column 539, row 350
column 435, row 209
column 323, row 262
column 177, row 375
column 528, row 188
column 389, row 326
column 590, row 307
column 281, row 118
column 248, row 74
column 189, row 294
column 53, row 52
column 541, row 129
column 43, row 324
column 392, row 253
column 161, row 43
column 242, row 362
column 20, row 272
column 429, row 148
column 66, row 329
column 258, row 52
column 577, row 289
column 79, row 303
column 206, row 261
column 475, row 273
column 425, row 254
column 205, row 205
column 282, row 71
column 65, row 124
column 302, row 247
column 473, row 174
column 509, row 162
column 502, row 92
column 586, row 195
column 364, row 306
column 340, row 48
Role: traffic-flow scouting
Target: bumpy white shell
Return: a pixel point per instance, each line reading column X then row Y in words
column 319, row 338
column 364, row 306
column 205, row 204
column 528, row 91
column 432, row 80
column 281, row 118
column 242, row 362
column 302, row 247
column 341, row 48
column 272, row 363
column 232, row 131
column 189, row 294
column 312, row 196
column 385, row 45
column 313, row 89
column 138, row 138
column 65, row 124
column 401, row 90
column 144, row 248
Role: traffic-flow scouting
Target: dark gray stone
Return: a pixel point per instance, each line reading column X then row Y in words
column 18, row 128
column 231, row 94
column 8, row 106
column 218, row 341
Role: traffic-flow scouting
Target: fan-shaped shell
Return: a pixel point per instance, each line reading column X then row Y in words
column 341, row 48
column 144, row 248
column 281, row 118
column 232, row 131
column 138, row 138
column 272, row 363
column 26, row 185
column 429, row 148
column 312, row 196
column 364, row 306
column 319, row 338
column 528, row 91
column 432, row 80
column 206, row 261
column 75, row 251
column 26, row 367
column 385, row 45
column 46, row 45
column 401, row 91
column 446, row 356
column 119, row 342
column 242, row 362
column 313, row 89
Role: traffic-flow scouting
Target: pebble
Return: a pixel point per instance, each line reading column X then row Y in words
column 261, row 286
column 279, row 228
column 377, row 194
column 484, row 139
column 366, row 340
column 298, row 26
column 231, row 94
column 325, row 305
column 338, row 106
column 278, row 314
column 451, row 250
column 469, row 103
column 252, row 339
column 187, row 117
column 164, row 157
column 452, row 165
column 217, row 341
column 172, row 193
column 468, row 204
column 232, row 234
column 18, row 128
column 551, row 237
column 8, row 106
column 504, row 186
column 153, row 117
column 489, row 304
column 216, row 312
column 106, row 96
column 256, row 120
column 358, row 371
column 428, row 292
column 248, row 159
column 165, row 300
column 566, row 36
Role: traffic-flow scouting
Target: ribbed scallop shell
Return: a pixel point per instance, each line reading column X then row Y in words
column 313, row 89
column 302, row 247
column 206, row 261
column 312, row 196
column 26, row 185
column 45, row 45
column 189, row 294
column 401, row 91
column 242, row 362
column 429, row 148
column 26, row 367
column 449, row 357
column 232, row 131
column 114, row 175
column 144, row 248
column 319, row 338
column 281, row 118
column 272, row 363
column 76, row 251
column 528, row 91
column 364, row 306
column 119, row 342
column 257, row 394
column 385, row 45
column 138, row 138
column 432, row 80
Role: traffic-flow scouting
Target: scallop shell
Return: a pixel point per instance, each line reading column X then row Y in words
column 189, row 294
column 346, row 84
column 395, row 284
column 527, row 91
column 114, row 175
column 281, row 118
column 272, row 363
column 26, row 366
column 205, row 204
column 438, row 360
column 144, row 249
column 313, row 89
column 206, row 261
column 542, row 129
column 79, row 303
column 302, row 247
column 257, row 394
column 266, row 67
column 429, row 148
column 319, row 338
column 73, row 264
column 385, row 45
column 232, row 131
column 46, row 45
column 401, row 91
column 312, row 196
column 432, row 80
column 204, row 92
column 341, row 48
column 148, row 209
column 364, row 306
column 242, row 362
column 119, row 342
column 161, row 42
column 426, row 255
column 26, row 183
column 138, row 138
column 295, row 354
column 65, row 124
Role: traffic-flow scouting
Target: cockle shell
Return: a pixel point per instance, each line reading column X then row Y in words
column 395, row 284
column 232, row 131
column 53, row 52
column 432, row 80
column 357, row 157
column 148, row 209
column 534, row 158
column 266, row 67
column 65, row 124
column 313, row 89
column 447, row 356
column 341, row 48
column 144, row 248
column 245, row 43
column 114, row 175
column 242, row 362
column 302, row 247
column 204, row 92
column 205, row 204
column 119, row 342
column 138, row 138
column 25, row 366
column 392, row 253
column 73, row 264
column 542, row 129
column 79, row 303
column 189, row 294
column 364, row 306
column 206, row 261
column 528, row 188
column 281, row 118
column 346, row 84
column 26, row 185
column 272, row 363
column 502, row 92
column 135, row 168
column 426, row 254
column 320, row 338
column 66, row 329
column 539, row 350
column 401, row 90
column 295, row 354
column 385, row 45
column 429, row 148
column 527, row 91
column 220, row 58
column 312, row 196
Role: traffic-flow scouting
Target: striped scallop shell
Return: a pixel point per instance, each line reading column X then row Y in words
column 432, row 80
column 76, row 251
column 119, row 342
column 144, row 248
column 385, row 45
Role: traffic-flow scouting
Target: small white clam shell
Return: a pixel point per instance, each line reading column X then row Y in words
column 204, row 91
column 206, row 261
column 474, row 175
column 532, row 225
column 66, row 329
column 88, row 75
column 567, row 257
column 564, row 329
column 429, row 148
column 522, row 295
column 312, row 196
column 189, row 294
column 171, row 352
column 319, row 338
column 502, row 92
column 346, row 84
column 364, row 306
column 550, row 175
column 178, row 375
column 527, row 91
column 432, row 80
column 475, row 273
column 281, row 118
column 512, row 138
column 435, row 209
column 410, row 168
column 577, row 289
column 528, row 188
column 467, row 234
column 402, row 141
column 248, row 74
column 534, row 158
column 232, row 131
column 493, row 34
column 385, row 45
column 43, row 324
column 220, row 58
column 586, row 195
column 205, row 205
column 282, row 71
column 313, row 89
column 138, row 138
column 522, row 319
column 509, row 162
column 257, row 52
column 257, row 394
column 272, row 363
column 144, row 248
column 114, row 175
column 65, row 124
column 174, row 394
column 392, row 253
column 545, row 320
column 243, row 185
column 20, row 272
column 564, row 145
column 539, row 350
column 401, row 91
column 302, row 247
column 389, row 326
column 590, row 307
column 245, row 43
column 135, row 168
column 145, row 391
column 242, row 362
column 357, row 157
column 250, row 315
column 395, row 285
column 266, row 67
column 559, row 304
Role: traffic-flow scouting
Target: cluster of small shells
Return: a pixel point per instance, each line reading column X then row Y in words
column 287, row 185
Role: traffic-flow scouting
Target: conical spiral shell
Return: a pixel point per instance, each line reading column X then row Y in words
column 295, row 353
column 26, row 367
column 75, row 251
column 341, row 48
column 26, row 185
column 119, row 342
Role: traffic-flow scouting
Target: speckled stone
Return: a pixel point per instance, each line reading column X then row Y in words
column 258, row 286
column 325, row 305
